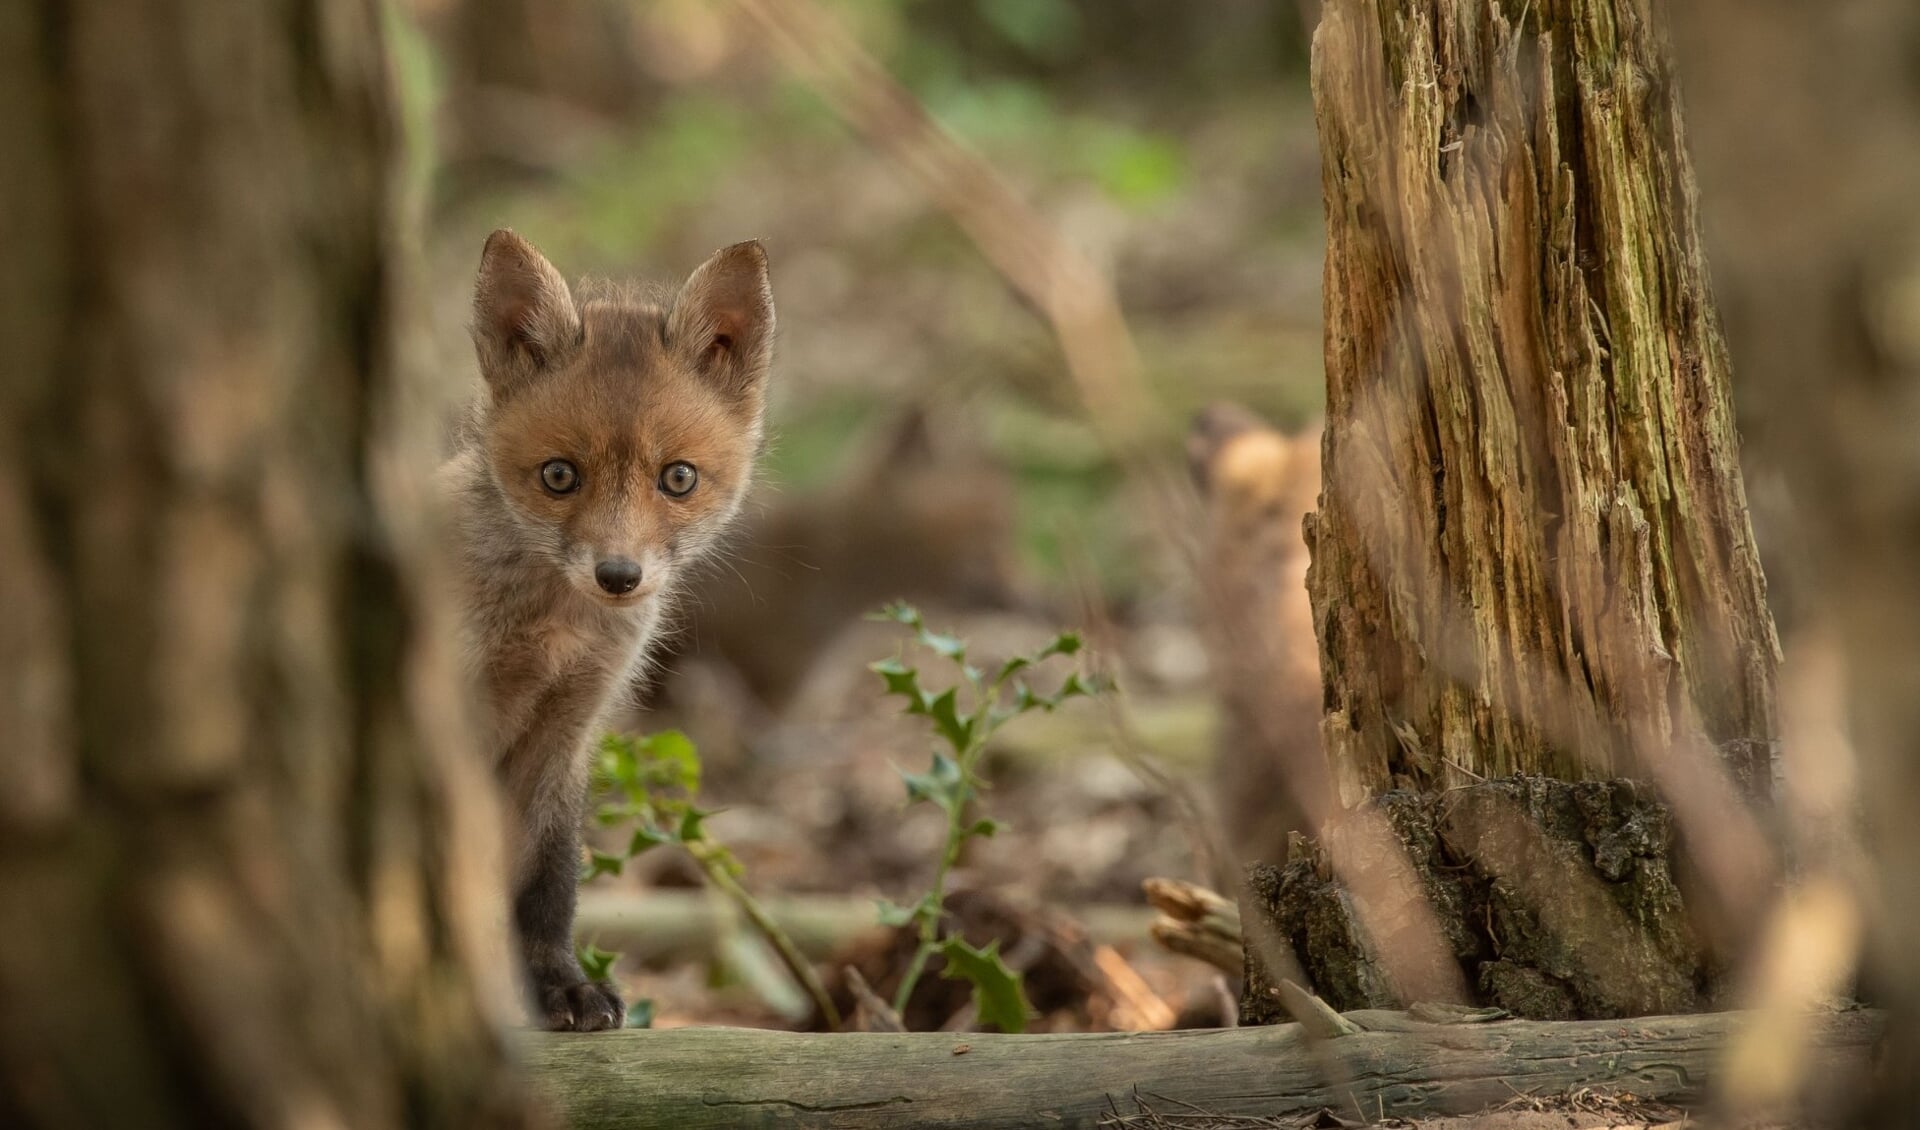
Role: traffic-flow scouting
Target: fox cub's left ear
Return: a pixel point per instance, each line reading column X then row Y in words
column 722, row 321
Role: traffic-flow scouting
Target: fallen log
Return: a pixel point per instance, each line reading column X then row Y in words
column 1395, row 1065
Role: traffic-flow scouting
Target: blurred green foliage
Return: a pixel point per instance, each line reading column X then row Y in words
column 1172, row 141
column 650, row 785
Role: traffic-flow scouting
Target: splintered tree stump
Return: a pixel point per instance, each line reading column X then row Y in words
column 1559, row 901
column 1533, row 552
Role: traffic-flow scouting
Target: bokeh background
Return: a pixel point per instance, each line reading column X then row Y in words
column 927, row 441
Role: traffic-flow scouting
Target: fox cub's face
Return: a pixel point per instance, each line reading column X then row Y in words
column 1254, row 477
column 622, row 431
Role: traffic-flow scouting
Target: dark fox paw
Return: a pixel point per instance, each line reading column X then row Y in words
column 581, row 1006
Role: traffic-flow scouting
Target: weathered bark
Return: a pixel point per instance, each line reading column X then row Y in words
column 1809, row 127
column 240, row 884
column 1532, row 553
column 1395, row 1066
column 1558, row 900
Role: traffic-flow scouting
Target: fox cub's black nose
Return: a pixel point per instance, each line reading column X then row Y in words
column 618, row 576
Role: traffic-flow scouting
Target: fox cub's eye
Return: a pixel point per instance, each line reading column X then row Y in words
column 678, row 479
column 559, row 476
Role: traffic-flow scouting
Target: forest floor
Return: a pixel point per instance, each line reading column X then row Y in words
column 813, row 804
column 1205, row 211
column 887, row 312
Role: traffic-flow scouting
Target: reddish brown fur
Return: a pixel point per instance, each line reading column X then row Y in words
column 620, row 386
column 622, row 410
column 1270, row 774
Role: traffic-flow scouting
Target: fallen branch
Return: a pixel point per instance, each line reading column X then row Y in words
column 663, row 924
column 1394, row 1066
column 870, row 1013
column 1196, row 922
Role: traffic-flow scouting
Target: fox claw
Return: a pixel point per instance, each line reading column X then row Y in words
column 582, row 1006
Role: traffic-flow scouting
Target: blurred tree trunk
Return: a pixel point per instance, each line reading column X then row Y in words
column 240, row 883
column 1810, row 159
column 1533, row 554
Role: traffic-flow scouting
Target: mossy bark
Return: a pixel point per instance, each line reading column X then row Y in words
column 240, row 883
column 1533, row 552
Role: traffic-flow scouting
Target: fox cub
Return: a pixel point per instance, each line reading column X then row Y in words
column 1259, row 484
column 612, row 446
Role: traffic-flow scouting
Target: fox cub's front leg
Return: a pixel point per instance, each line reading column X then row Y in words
column 545, row 772
column 543, row 917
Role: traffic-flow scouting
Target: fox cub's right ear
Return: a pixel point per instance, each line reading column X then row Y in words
column 1216, row 426
column 523, row 313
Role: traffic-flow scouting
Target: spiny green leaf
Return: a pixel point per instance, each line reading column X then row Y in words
column 944, row 709
column 998, row 995
column 941, row 783
column 893, row 914
column 600, row 863
column 640, row 1013
column 644, row 837
column 900, row 678
column 674, row 755
column 596, row 963
column 946, row 646
column 617, row 761
column 920, row 786
column 984, row 827
column 899, row 612
column 692, row 826
column 1011, row 667
column 1074, row 687
column 608, row 815
column 1066, row 643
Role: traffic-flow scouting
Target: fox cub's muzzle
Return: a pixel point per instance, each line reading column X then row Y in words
column 617, row 576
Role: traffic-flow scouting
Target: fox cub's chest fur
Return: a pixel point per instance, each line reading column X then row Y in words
column 611, row 448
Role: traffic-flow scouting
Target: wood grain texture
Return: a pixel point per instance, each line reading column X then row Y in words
column 1533, row 551
column 699, row 1078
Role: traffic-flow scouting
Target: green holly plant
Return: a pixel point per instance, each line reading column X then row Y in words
column 964, row 717
column 652, row 783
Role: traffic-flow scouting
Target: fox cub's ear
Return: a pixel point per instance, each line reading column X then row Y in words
column 523, row 313
column 722, row 321
column 1216, row 426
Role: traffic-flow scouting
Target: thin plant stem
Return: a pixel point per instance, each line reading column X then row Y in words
column 714, row 862
column 936, row 905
